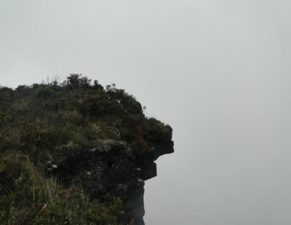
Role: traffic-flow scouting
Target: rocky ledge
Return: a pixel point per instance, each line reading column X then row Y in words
column 107, row 169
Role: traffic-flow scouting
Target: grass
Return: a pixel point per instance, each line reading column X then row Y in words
column 35, row 119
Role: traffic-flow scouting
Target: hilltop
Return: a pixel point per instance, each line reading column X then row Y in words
column 76, row 153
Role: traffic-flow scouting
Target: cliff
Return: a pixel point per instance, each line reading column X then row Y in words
column 76, row 153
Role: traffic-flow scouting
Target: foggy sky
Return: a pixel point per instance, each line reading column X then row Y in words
column 217, row 71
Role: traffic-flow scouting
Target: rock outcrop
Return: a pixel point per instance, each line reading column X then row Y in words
column 93, row 139
column 108, row 169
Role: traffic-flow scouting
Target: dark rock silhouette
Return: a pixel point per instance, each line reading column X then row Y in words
column 109, row 168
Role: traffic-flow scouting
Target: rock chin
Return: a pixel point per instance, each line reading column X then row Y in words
column 108, row 169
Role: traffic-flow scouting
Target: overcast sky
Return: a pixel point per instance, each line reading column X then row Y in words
column 218, row 72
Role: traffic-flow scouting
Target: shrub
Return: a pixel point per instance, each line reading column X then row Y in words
column 44, row 93
column 74, row 81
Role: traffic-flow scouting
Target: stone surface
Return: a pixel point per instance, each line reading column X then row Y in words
column 108, row 169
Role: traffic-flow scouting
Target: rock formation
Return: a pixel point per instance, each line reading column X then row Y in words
column 98, row 140
column 108, row 169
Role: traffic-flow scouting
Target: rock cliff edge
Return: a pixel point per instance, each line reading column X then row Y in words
column 108, row 169
column 76, row 153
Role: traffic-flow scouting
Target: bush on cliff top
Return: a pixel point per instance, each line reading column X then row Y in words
column 35, row 119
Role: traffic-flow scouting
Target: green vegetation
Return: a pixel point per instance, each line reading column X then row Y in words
column 34, row 119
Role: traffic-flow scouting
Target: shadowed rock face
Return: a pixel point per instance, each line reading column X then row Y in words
column 108, row 169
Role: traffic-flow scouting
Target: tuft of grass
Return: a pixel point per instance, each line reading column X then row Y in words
column 30, row 197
